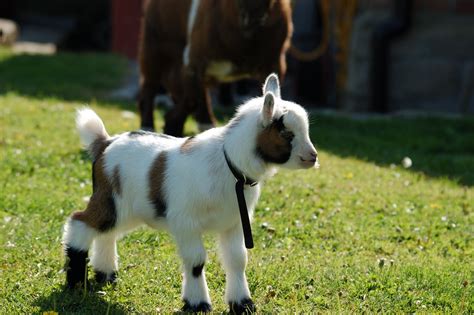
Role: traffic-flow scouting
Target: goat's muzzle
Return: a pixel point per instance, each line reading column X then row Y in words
column 309, row 160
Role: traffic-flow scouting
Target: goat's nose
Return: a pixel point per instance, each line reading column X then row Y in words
column 314, row 156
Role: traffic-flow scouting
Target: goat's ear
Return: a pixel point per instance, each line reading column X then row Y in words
column 272, row 85
column 268, row 108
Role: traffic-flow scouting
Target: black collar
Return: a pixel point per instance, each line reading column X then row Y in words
column 239, row 192
column 238, row 174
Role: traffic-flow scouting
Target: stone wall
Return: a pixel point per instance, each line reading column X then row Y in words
column 431, row 67
column 446, row 6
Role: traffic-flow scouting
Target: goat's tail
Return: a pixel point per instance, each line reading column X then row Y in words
column 90, row 128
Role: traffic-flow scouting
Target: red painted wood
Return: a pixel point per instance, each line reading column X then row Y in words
column 126, row 15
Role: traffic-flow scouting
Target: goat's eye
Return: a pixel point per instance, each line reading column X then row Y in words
column 287, row 135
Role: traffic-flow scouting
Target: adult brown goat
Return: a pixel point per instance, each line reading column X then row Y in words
column 189, row 45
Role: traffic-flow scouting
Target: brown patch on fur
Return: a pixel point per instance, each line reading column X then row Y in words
column 98, row 147
column 157, row 178
column 115, row 181
column 100, row 213
column 272, row 146
column 188, row 145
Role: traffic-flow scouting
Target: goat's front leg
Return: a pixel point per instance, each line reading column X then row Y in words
column 195, row 292
column 234, row 259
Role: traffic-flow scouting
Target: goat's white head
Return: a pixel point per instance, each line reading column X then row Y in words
column 284, row 135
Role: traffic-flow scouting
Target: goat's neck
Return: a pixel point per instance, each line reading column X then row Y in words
column 240, row 147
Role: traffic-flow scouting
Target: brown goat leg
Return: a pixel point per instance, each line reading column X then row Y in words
column 203, row 112
column 225, row 96
column 195, row 100
column 146, row 107
column 174, row 122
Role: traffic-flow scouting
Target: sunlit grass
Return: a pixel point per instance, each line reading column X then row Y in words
column 361, row 234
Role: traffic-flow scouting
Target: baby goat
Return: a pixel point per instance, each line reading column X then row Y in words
column 185, row 185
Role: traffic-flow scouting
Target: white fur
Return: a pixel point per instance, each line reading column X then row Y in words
column 89, row 126
column 191, row 19
column 104, row 253
column 272, row 84
column 78, row 235
column 199, row 189
column 234, row 259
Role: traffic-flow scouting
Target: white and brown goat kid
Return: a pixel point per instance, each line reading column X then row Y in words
column 186, row 186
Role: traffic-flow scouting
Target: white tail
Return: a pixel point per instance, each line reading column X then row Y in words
column 90, row 126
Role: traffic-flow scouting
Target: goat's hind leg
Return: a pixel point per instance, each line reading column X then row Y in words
column 104, row 258
column 77, row 238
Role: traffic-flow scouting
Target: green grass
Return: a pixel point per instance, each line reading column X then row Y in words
column 328, row 229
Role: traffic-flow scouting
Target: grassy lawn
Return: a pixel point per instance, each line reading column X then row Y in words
column 361, row 234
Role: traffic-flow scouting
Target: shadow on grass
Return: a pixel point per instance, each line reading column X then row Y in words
column 65, row 301
column 66, row 76
column 438, row 147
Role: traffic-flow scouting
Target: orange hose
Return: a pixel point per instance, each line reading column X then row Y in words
column 321, row 49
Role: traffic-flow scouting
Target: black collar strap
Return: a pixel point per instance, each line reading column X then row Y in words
column 238, row 174
column 239, row 191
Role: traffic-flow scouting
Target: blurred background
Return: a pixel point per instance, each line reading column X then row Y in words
column 380, row 56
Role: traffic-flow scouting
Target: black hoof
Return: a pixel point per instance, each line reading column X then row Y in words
column 104, row 278
column 76, row 268
column 203, row 307
column 245, row 306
